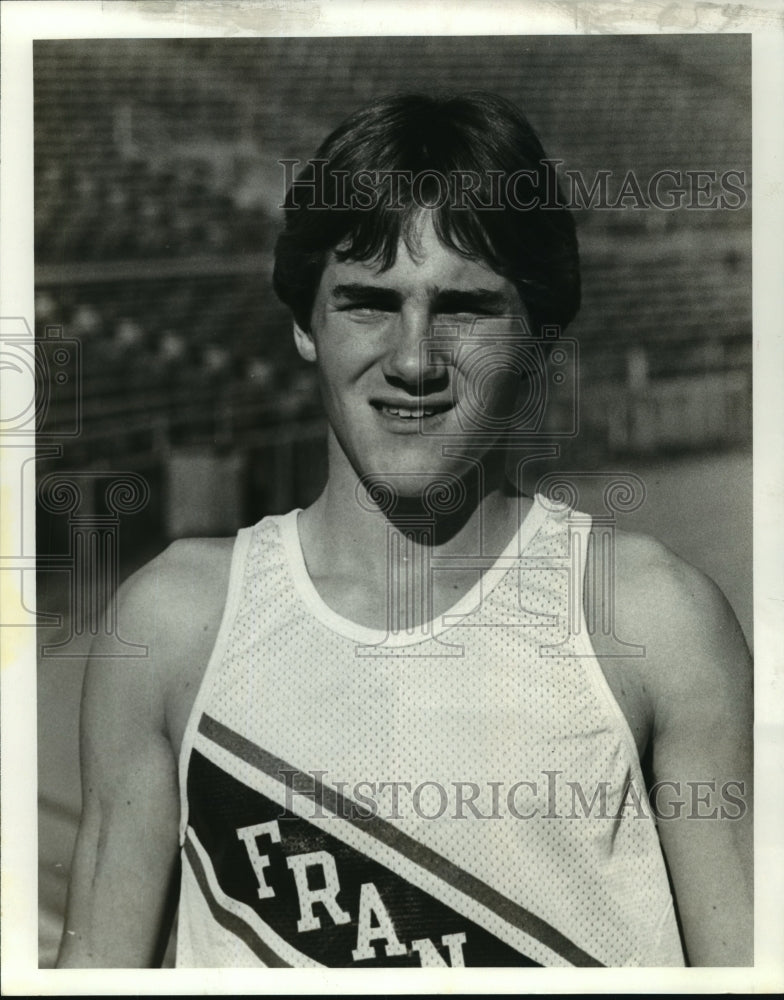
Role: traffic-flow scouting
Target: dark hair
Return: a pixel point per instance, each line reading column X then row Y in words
column 475, row 133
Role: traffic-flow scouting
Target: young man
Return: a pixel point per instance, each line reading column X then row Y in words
column 378, row 731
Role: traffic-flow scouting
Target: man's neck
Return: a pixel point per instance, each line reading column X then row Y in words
column 357, row 537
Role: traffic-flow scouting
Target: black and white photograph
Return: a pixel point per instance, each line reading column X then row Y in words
column 388, row 538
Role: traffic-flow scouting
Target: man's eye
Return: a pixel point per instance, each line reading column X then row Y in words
column 365, row 312
column 462, row 316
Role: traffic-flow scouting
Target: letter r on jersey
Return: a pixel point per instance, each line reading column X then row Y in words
column 327, row 896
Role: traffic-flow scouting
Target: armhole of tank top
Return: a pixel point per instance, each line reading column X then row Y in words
column 234, row 591
column 594, row 668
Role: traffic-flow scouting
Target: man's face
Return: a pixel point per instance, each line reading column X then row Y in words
column 398, row 390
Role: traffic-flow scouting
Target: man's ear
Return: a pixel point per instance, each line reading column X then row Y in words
column 305, row 343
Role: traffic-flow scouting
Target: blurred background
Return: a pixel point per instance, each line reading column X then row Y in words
column 157, row 193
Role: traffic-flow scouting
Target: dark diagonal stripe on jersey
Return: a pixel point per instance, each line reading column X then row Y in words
column 343, row 807
column 230, row 921
column 223, row 809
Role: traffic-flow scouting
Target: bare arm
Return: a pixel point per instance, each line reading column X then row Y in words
column 698, row 673
column 126, row 846
column 133, row 709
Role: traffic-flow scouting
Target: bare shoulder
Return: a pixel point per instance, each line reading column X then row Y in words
column 666, row 600
column 185, row 570
column 653, row 584
column 696, row 658
column 172, row 608
column 177, row 597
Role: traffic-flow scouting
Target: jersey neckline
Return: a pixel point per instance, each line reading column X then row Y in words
column 336, row 622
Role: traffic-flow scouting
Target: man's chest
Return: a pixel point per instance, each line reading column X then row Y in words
column 372, row 807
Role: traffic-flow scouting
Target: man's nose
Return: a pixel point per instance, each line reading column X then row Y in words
column 413, row 356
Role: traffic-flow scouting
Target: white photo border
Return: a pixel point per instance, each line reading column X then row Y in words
column 24, row 21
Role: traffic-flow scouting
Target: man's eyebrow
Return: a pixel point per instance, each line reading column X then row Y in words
column 441, row 299
column 357, row 291
column 470, row 299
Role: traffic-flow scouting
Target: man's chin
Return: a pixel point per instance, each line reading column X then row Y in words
column 434, row 493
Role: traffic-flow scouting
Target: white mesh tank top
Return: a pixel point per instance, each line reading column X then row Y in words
column 466, row 795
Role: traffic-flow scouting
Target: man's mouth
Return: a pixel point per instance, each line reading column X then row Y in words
column 417, row 412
